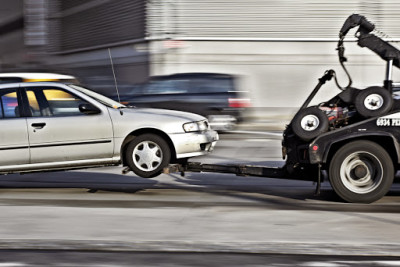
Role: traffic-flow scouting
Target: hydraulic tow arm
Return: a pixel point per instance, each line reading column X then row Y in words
column 366, row 38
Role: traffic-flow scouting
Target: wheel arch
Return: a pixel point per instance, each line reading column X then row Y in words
column 387, row 142
column 138, row 132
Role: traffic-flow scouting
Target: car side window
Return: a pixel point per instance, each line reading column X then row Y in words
column 34, row 105
column 53, row 102
column 9, row 104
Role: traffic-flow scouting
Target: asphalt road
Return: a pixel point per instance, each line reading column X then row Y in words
column 102, row 211
column 29, row 258
column 252, row 148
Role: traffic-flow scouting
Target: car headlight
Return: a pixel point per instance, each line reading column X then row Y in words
column 197, row 126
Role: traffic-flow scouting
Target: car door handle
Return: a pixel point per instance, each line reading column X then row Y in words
column 38, row 125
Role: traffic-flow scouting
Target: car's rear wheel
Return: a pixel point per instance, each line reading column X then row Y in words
column 147, row 155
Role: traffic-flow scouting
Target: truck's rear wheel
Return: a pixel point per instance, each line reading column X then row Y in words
column 361, row 171
column 309, row 123
column 373, row 101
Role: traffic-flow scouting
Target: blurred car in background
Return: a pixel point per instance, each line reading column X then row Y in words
column 211, row 95
column 17, row 77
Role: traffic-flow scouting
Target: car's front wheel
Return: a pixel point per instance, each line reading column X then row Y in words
column 147, row 155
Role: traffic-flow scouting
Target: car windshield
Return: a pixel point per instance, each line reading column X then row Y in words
column 101, row 98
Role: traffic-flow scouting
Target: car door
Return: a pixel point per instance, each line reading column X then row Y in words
column 14, row 146
column 60, row 132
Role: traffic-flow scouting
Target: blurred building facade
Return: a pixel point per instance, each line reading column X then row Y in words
column 279, row 48
column 77, row 37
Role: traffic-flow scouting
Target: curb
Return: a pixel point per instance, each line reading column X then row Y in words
column 293, row 248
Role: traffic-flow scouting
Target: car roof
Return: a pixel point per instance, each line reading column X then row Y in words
column 36, row 76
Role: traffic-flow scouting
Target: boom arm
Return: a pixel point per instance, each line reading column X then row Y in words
column 367, row 39
column 354, row 21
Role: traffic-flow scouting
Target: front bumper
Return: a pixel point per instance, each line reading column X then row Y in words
column 194, row 144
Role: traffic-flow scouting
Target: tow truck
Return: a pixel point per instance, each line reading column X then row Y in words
column 353, row 138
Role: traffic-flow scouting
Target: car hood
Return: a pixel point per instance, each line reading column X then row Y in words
column 165, row 112
column 128, row 120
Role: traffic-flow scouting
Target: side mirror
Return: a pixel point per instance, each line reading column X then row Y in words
column 89, row 109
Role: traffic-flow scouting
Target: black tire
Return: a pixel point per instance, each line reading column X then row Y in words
column 310, row 123
column 147, row 155
column 373, row 101
column 361, row 172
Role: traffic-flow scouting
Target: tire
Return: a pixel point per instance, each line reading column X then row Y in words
column 361, row 172
column 147, row 155
column 310, row 123
column 373, row 101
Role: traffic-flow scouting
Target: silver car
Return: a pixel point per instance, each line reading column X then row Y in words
column 50, row 126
